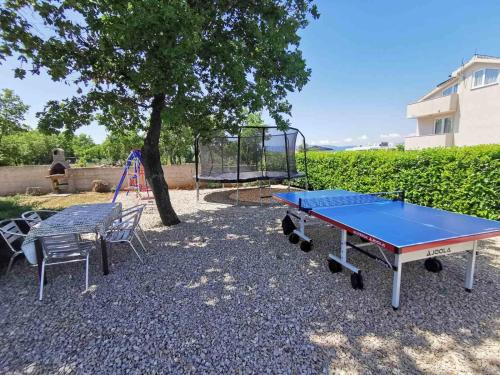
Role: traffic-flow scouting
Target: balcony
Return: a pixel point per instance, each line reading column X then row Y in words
column 441, row 105
column 428, row 141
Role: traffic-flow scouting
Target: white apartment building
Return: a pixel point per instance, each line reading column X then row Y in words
column 461, row 111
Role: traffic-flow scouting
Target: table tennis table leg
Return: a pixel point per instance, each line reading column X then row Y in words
column 302, row 224
column 396, row 281
column 300, row 232
column 343, row 245
column 471, row 263
column 342, row 260
column 104, row 254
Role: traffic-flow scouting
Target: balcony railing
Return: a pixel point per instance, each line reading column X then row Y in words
column 427, row 141
column 441, row 105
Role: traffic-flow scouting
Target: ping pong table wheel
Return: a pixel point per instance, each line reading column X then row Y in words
column 334, row 266
column 433, row 265
column 306, row 246
column 287, row 225
column 357, row 280
column 294, row 238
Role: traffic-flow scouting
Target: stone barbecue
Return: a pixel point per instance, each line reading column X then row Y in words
column 59, row 173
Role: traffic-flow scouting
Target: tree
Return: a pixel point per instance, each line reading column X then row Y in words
column 176, row 145
column 254, row 119
column 12, row 112
column 118, row 144
column 84, row 149
column 81, row 143
column 197, row 63
column 28, row 148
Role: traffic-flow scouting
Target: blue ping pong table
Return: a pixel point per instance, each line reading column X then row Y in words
column 402, row 232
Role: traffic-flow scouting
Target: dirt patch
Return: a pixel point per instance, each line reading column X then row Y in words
column 248, row 196
column 56, row 202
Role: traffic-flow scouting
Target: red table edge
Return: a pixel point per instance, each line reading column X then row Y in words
column 389, row 246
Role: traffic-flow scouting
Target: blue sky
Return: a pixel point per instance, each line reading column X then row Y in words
column 369, row 59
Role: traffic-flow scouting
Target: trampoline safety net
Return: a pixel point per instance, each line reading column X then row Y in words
column 255, row 153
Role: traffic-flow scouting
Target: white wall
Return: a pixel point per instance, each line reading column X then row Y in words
column 477, row 118
column 425, row 126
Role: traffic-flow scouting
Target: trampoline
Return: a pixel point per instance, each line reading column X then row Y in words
column 262, row 154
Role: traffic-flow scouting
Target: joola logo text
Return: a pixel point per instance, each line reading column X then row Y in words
column 440, row 251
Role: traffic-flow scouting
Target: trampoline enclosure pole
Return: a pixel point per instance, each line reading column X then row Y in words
column 260, row 192
column 238, row 169
column 196, row 167
column 263, row 160
column 222, row 144
column 305, row 161
column 287, row 156
column 262, row 164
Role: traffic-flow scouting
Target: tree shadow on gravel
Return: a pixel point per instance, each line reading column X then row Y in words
column 438, row 322
column 225, row 291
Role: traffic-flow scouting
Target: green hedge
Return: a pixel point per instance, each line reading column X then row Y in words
column 460, row 179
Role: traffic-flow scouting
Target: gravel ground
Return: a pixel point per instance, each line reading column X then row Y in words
column 225, row 292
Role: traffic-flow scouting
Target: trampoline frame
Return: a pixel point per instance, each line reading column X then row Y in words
column 259, row 175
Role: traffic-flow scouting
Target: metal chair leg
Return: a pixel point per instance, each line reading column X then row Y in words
column 140, row 241
column 144, row 234
column 11, row 262
column 87, row 272
column 136, row 253
column 42, row 278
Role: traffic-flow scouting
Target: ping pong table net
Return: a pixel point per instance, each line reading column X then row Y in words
column 308, row 204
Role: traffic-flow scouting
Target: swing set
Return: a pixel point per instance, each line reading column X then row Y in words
column 133, row 176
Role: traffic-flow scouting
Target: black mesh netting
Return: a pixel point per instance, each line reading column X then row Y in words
column 255, row 153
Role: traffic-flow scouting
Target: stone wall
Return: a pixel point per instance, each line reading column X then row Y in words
column 14, row 180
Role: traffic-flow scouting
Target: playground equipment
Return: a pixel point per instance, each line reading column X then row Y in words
column 255, row 153
column 133, row 175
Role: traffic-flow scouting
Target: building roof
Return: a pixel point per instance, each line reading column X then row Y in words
column 474, row 60
column 456, row 73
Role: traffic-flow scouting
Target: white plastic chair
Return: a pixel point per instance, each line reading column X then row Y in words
column 123, row 230
column 13, row 237
column 34, row 217
column 65, row 248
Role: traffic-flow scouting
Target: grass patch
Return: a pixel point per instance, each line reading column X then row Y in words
column 14, row 206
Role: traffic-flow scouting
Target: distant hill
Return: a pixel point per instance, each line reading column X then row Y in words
column 327, row 148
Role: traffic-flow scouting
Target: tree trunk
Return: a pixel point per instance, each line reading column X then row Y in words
column 152, row 164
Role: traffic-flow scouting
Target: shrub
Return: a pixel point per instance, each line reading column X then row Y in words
column 459, row 179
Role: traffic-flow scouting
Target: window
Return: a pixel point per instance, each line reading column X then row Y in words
column 478, row 78
column 443, row 125
column 490, row 76
column 438, row 126
column 447, row 128
column 484, row 77
column 450, row 90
